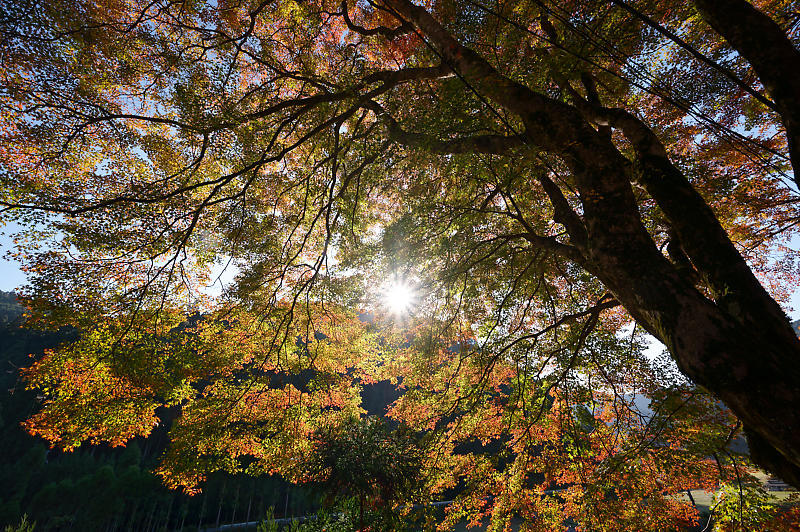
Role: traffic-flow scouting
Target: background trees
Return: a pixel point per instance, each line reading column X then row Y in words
column 97, row 488
column 368, row 461
column 541, row 172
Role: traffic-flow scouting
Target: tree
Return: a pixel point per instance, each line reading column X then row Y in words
column 542, row 171
column 368, row 461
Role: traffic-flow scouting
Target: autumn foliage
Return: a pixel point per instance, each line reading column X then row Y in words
column 216, row 194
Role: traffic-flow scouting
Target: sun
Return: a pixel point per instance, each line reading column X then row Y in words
column 398, row 297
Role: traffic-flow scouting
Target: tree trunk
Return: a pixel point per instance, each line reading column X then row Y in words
column 132, row 521
column 169, row 512
column 235, row 504
column 150, row 516
column 221, row 501
column 202, row 513
column 755, row 373
column 250, row 500
column 361, row 512
column 739, row 345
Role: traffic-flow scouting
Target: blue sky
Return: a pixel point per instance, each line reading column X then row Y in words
column 10, row 275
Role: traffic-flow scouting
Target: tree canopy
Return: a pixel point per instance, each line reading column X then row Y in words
column 215, row 194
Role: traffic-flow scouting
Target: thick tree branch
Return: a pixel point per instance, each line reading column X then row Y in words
column 549, row 243
column 491, row 144
column 389, row 33
column 594, row 99
column 563, row 212
column 555, row 126
column 695, row 224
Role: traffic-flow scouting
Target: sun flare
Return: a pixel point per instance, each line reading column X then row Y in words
column 398, row 297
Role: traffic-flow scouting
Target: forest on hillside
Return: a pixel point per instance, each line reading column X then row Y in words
column 104, row 488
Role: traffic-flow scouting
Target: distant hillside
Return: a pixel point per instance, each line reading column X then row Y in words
column 10, row 309
column 99, row 488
